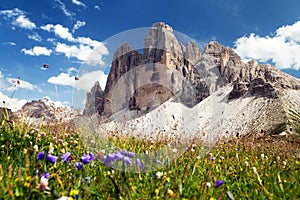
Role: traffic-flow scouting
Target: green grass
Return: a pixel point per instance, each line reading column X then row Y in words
column 276, row 161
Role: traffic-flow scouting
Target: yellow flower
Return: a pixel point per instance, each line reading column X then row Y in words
column 74, row 192
column 170, row 193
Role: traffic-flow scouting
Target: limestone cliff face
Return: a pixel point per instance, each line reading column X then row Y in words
column 167, row 68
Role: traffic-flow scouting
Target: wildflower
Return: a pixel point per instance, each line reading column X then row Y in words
column 73, row 193
column 208, row 184
column 128, row 153
column 51, row 148
column 36, row 147
column 85, row 159
column 46, row 175
column 159, row 174
column 51, row 158
column 284, row 163
column 40, row 155
column 119, row 156
column 212, row 158
column 254, row 169
column 246, row 163
column 170, row 193
column 66, row 157
column 127, row 160
column 218, row 183
column 78, row 165
column 175, row 150
column 43, row 185
column 262, row 156
column 138, row 163
column 229, row 195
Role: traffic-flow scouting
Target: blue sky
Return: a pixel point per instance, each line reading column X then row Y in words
column 63, row 33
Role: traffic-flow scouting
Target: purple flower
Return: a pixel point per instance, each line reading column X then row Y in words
column 66, row 157
column 119, row 156
column 212, row 158
column 127, row 153
column 85, row 159
column 51, row 158
column 40, row 155
column 78, row 165
column 46, row 175
column 92, row 157
column 127, row 160
column 138, row 163
column 218, row 183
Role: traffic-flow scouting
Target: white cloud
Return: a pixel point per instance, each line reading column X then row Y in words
column 21, row 84
column 62, row 79
column 24, row 22
column 71, row 70
column 12, row 84
column 18, row 18
column 35, row 37
column 64, row 9
column 80, row 52
column 78, row 25
column 59, row 31
column 282, row 48
column 9, row 43
column 85, row 82
column 97, row 7
column 83, row 48
column 37, row 51
column 12, row 103
column 78, row 3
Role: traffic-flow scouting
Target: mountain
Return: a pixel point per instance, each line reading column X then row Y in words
column 45, row 111
column 213, row 91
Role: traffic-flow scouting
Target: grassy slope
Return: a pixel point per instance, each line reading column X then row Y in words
column 276, row 176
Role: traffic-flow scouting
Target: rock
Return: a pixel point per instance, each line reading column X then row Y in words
column 95, row 99
column 167, row 68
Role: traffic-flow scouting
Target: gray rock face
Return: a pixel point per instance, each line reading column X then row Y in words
column 167, row 68
column 94, row 99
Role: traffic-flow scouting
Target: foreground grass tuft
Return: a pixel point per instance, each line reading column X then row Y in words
column 53, row 163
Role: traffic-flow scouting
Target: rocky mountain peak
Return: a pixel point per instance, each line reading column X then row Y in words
column 192, row 53
column 123, row 49
column 184, row 70
column 162, row 26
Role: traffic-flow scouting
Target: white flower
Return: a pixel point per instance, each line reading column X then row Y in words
column 254, row 169
column 208, row 184
column 51, row 148
column 262, row 156
column 159, row 174
column 43, row 185
column 175, row 150
column 284, row 163
column 36, row 147
column 246, row 163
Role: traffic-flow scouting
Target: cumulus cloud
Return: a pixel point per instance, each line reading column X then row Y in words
column 281, row 49
column 20, row 84
column 78, row 25
column 12, row 84
column 78, row 3
column 84, row 82
column 12, row 103
column 37, row 51
column 18, row 18
column 59, row 31
column 83, row 48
